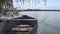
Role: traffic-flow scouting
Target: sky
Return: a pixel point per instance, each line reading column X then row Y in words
column 51, row 4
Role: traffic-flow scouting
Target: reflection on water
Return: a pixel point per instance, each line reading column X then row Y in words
column 49, row 22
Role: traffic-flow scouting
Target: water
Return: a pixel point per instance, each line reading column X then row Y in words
column 51, row 24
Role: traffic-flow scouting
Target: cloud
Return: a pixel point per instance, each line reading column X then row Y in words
column 41, row 6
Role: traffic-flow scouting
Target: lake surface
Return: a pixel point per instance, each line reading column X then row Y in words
column 48, row 22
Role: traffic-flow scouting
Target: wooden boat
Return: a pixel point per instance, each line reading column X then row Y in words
column 21, row 25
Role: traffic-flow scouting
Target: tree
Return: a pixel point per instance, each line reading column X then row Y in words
column 4, row 10
column 2, row 3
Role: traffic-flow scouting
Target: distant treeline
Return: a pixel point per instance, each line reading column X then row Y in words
column 33, row 10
